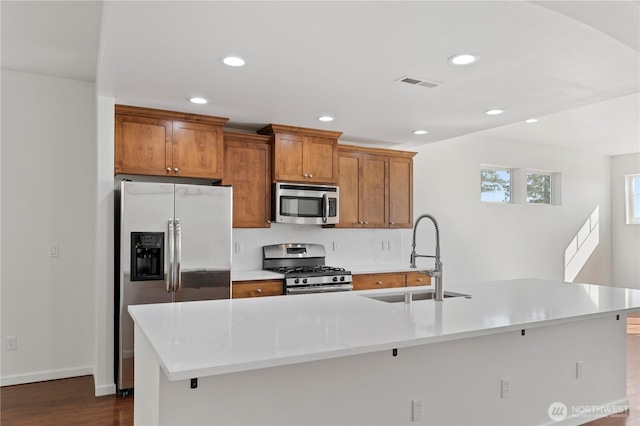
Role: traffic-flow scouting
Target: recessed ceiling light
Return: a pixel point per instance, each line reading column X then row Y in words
column 531, row 120
column 233, row 61
column 494, row 112
column 420, row 132
column 325, row 118
column 198, row 100
column 463, row 59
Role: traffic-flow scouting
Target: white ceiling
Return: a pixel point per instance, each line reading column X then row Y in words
column 573, row 65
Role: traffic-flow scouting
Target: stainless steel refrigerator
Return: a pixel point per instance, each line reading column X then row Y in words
column 173, row 244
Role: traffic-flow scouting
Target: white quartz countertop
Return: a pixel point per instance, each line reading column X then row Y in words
column 197, row 339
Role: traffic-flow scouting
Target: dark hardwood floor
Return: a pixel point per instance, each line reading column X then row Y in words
column 71, row 401
column 62, row 402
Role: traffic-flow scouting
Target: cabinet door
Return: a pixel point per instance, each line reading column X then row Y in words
column 288, row 158
column 198, row 150
column 320, row 160
column 400, row 192
column 417, row 278
column 372, row 281
column 375, row 187
column 142, row 145
column 350, row 164
column 248, row 170
column 258, row 288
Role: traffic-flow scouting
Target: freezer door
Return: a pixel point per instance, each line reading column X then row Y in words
column 142, row 222
column 203, row 217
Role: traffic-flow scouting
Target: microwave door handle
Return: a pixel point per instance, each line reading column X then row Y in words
column 170, row 260
column 325, row 199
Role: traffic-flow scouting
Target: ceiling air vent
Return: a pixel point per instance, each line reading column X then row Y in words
column 419, row 82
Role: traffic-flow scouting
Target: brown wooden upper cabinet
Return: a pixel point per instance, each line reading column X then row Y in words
column 376, row 188
column 167, row 143
column 303, row 155
column 248, row 169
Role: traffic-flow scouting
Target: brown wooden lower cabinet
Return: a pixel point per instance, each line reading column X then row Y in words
column 373, row 281
column 417, row 278
column 389, row 280
column 256, row 288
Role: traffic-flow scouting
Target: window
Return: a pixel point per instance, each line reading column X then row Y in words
column 632, row 199
column 495, row 185
column 538, row 188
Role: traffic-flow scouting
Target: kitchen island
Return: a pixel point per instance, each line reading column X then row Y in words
column 503, row 356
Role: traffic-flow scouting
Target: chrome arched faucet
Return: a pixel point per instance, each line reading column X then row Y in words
column 436, row 273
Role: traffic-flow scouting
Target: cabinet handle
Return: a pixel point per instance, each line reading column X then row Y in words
column 419, row 280
column 268, row 221
column 168, row 169
column 366, row 223
column 392, row 223
column 258, row 291
column 310, row 176
column 175, row 170
column 379, row 282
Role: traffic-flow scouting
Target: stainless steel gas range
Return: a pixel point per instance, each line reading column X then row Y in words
column 304, row 269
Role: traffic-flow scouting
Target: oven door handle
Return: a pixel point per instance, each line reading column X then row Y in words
column 319, row 289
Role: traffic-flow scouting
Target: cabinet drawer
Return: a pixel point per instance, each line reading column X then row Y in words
column 258, row 288
column 372, row 281
column 417, row 278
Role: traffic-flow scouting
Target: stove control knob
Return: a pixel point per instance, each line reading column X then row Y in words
column 341, row 278
column 304, row 280
column 335, row 278
column 296, row 281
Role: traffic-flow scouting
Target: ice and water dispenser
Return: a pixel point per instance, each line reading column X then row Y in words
column 147, row 256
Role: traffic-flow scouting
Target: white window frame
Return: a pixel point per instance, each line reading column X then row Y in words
column 631, row 196
column 555, row 187
column 512, row 183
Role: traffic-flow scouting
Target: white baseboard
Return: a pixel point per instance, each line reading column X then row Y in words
column 41, row 376
column 103, row 390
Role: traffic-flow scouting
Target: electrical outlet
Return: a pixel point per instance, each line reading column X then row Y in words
column 12, row 343
column 505, row 390
column 579, row 369
column 389, row 245
column 384, row 246
column 54, row 250
column 336, row 246
column 417, row 410
column 237, row 248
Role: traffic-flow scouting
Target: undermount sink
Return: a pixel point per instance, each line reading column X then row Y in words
column 415, row 295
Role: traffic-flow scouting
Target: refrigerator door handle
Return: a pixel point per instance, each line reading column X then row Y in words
column 178, row 254
column 171, row 257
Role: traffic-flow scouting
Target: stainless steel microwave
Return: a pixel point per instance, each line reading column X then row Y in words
column 306, row 204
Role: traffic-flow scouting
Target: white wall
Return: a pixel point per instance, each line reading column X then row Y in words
column 48, row 180
column 625, row 251
column 485, row 241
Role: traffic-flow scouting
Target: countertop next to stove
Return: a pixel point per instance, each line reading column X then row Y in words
column 198, row 339
column 364, row 269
